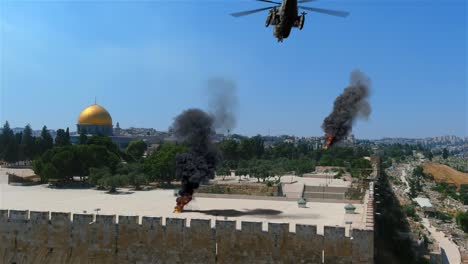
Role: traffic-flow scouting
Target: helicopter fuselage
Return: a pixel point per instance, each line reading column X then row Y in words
column 285, row 15
column 285, row 18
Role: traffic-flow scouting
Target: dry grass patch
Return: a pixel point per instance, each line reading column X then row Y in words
column 444, row 173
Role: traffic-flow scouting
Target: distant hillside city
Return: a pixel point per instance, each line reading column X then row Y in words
column 457, row 146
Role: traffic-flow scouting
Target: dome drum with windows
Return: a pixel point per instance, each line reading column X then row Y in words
column 95, row 120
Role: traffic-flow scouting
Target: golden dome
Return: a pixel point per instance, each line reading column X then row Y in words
column 95, row 115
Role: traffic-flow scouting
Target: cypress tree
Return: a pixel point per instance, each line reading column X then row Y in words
column 28, row 143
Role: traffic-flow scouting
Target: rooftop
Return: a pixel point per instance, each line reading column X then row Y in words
column 423, row 202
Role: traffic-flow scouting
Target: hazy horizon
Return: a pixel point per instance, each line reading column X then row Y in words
column 73, row 130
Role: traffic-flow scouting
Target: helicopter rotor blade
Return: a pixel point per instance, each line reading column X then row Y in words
column 326, row 11
column 244, row 13
column 269, row 1
column 305, row 1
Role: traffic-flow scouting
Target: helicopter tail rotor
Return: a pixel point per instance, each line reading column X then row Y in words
column 326, row 11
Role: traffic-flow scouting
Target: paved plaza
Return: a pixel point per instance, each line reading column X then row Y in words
column 161, row 203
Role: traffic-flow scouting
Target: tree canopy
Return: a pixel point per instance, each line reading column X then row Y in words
column 62, row 163
column 445, row 153
column 136, row 149
column 28, row 146
column 45, row 142
column 8, row 144
column 462, row 221
column 62, row 138
column 250, row 156
column 161, row 165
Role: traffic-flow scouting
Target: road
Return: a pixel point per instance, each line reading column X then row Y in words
column 403, row 179
column 450, row 252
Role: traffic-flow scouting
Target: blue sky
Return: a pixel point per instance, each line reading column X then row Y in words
column 146, row 61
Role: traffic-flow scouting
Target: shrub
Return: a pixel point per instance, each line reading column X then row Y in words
column 443, row 216
column 409, row 210
column 462, row 221
column 447, row 189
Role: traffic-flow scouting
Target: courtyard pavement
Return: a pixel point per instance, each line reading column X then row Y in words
column 161, row 203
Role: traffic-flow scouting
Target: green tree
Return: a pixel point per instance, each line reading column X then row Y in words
column 445, row 153
column 251, row 147
column 415, row 183
column 96, row 156
column 66, row 162
column 18, row 146
column 361, row 168
column 9, row 144
column 112, row 182
column 136, row 149
column 8, row 148
column 229, row 149
column 28, row 145
column 135, row 174
column 49, row 172
column 83, row 138
column 246, row 149
column 96, row 174
column 305, row 165
column 137, row 179
column 447, row 190
column 241, row 172
column 6, row 135
column 409, row 210
column 258, row 146
column 11, row 152
column 74, row 160
column 464, row 194
column 46, row 141
column 278, row 171
column 428, row 153
column 326, row 160
column 67, row 135
column 285, row 150
column 462, row 221
column 223, row 170
column 62, row 138
column 418, row 171
column 260, row 169
column 161, row 165
column 105, row 142
column 265, row 170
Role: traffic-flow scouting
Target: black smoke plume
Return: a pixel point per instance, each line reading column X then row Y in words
column 223, row 103
column 349, row 105
column 195, row 128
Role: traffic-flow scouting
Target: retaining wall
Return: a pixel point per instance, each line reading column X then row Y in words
column 309, row 196
column 239, row 189
column 326, row 189
column 43, row 237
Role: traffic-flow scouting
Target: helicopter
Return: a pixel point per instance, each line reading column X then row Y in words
column 285, row 15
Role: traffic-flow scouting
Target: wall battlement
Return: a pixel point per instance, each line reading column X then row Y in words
column 53, row 237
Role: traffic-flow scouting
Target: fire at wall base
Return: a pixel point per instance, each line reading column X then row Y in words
column 182, row 201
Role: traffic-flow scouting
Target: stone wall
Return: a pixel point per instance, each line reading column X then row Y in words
column 43, row 237
column 242, row 189
column 325, row 192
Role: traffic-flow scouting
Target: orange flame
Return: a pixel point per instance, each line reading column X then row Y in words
column 329, row 141
column 182, row 201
